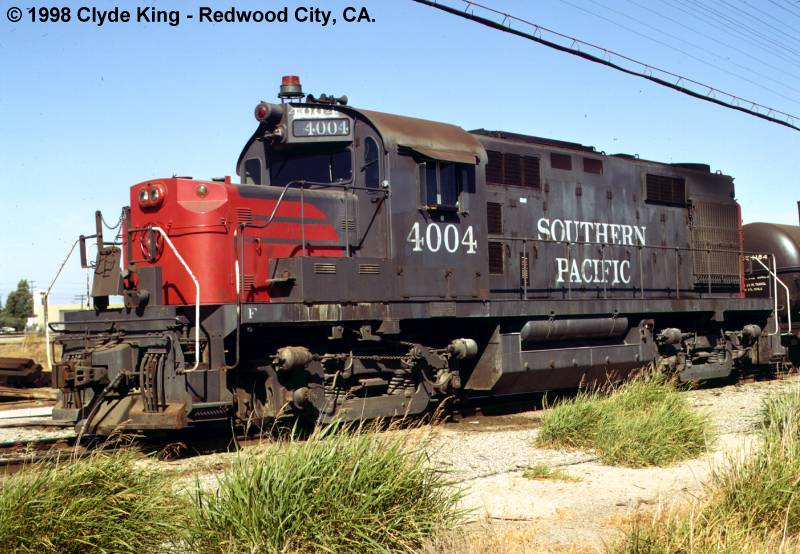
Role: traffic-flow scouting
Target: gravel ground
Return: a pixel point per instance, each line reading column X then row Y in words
column 584, row 514
column 487, row 455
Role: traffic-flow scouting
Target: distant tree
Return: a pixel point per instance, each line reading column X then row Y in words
column 19, row 306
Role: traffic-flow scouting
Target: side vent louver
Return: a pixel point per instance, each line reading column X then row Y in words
column 248, row 281
column 244, row 215
column 347, row 225
column 369, row 269
column 323, row 268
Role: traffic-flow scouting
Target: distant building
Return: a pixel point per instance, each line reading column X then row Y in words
column 55, row 312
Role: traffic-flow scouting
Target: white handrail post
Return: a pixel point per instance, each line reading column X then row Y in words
column 776, row 281
column 196, row 299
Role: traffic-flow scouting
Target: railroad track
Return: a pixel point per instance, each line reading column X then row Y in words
column 187, row 443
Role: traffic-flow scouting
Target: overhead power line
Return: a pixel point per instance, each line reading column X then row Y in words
column 705, row 35
column 723, row 26
column 609, row 58
column 686, row 53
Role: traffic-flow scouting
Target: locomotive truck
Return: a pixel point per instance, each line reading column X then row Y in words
column 369, row 265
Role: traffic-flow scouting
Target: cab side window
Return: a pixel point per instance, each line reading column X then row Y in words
column 372, row 164
column 444, row 183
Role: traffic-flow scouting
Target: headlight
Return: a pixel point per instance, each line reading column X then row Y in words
column 152, row 195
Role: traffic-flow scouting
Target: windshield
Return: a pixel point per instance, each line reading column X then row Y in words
column 324, row 165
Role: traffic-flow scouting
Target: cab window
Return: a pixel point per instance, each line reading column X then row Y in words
column 444, row 182
column 317, row 165
column 372, row 165
column 252, row 171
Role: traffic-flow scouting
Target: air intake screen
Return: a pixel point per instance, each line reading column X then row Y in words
column 494, row 168
column 494, row 218
column 496, row 258
column 670, row 191
column 560, row 161
column 592, row 165
column 530, row 171
column 512, row 169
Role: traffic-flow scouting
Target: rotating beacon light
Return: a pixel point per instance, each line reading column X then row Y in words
column 290, row 88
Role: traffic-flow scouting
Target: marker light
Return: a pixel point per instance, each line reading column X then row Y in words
column 202, row 190
column 261, row 111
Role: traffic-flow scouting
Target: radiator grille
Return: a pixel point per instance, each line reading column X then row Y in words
column 715, row 238
column 323, row 268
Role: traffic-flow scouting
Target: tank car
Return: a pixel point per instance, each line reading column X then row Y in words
column 773, row 271
column 369, row 265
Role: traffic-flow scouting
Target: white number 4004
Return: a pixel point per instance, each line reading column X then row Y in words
column 434, row 238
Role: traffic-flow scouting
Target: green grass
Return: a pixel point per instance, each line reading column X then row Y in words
column 644, row 422
column 542, row 471
column 106, row 503
column 334, row 492
column 752, row 503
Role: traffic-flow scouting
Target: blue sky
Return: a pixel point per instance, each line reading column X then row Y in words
column 86, row 111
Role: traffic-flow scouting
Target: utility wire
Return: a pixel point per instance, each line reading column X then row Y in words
column 784, row 8
column 791, row 5
column 681, row 84
column 750, row 15
column 680, row 50
column 747, row 28
column 721, row 43
column 714, row 21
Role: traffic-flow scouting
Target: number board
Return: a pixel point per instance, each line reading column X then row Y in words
column 339, row 127
column 315, row 124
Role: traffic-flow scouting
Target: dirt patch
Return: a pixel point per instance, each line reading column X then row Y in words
column 585, row 515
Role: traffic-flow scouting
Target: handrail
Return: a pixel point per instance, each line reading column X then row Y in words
column 196, row 300
column 236, row 247
column 46, row 306
column 572, row 245
column 777, row 280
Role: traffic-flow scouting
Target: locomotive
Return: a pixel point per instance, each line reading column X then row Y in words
column 369, row 265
